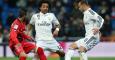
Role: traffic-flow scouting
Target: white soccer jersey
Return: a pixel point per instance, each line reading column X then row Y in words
column 91, row 20
column 43, row 25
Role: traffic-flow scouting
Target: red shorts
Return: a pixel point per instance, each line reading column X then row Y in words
column 24, row 47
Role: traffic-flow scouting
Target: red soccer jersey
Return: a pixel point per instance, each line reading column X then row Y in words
column 17, row 36
column 17, row 31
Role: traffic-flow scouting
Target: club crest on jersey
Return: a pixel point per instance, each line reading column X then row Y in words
column 44, row 23
column 38, row 16
column 15, row 26
column 49, row 18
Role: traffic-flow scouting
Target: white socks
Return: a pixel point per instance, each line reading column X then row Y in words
column 83, row 56
column 35, row 57
column 69, row 54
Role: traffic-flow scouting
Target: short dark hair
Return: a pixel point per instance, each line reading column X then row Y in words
column 44, row 1
column 82, row 2
column 22, row 12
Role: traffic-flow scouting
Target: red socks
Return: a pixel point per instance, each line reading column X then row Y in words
column 41, row 54
column 22, row 58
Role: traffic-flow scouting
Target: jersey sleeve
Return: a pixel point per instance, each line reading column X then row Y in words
column 96, row 18
column 99, row 20
column 15, row 26
column 13, row 36
column 32, row 21
column 55, row 20
column 14, row 31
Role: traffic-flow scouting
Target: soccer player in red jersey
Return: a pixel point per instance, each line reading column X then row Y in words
column 19, row 41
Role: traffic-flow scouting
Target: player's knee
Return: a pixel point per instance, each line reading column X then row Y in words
column 18, row 46
column 82, row 49
column 60, row 53
column 23, row 54
column 73, row 46
column 40, row 51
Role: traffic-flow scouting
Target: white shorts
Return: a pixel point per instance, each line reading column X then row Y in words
column 49, row 45
column 88, row 42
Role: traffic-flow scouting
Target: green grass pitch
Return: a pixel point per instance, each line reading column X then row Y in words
column 50, row 58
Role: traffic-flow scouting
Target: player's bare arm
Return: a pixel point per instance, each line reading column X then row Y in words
column 57, row 28
column 29, row 29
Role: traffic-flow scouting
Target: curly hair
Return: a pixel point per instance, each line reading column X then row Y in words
column 44, row 1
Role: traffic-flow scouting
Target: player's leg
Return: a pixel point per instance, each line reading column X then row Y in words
column 18, row 50
column 61, row 54
column 36, row 57
column 89, row 44
column 22, row 56
column 41, row 54
column 39, row 51
column 86, row 44
column 28, row 46
column 82, row 53
column 56, row 48
column 70, row 51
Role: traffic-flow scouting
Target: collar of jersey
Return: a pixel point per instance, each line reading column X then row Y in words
column 42, row 13
column 86, row 11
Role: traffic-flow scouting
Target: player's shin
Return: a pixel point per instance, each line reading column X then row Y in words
column 35, row 57
column 61, row 54
column 83, row 56
column 41, row 54
column 80, row 55
column 22, row 55
column 69, row 54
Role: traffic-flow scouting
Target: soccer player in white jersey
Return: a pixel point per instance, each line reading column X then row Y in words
column 93, row 22
column 44, row 22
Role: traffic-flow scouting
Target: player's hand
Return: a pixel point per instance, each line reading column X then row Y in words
column 55, row 33
column 95, row 30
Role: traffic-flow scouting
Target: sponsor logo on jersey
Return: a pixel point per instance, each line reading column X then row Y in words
column 44, row 23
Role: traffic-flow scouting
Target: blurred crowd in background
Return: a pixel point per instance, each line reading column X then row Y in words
column 70, row 18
